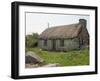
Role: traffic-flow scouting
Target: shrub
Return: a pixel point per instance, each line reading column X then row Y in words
column 31, row 40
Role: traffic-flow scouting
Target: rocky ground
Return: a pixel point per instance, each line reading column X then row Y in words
column 32, row 60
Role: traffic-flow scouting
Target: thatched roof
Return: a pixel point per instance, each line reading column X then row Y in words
column 64, row 31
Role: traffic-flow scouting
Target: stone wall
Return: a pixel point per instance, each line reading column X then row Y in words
column 69, row 44
column 46, row 47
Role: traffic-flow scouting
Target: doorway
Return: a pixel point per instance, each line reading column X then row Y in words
column 54, row 44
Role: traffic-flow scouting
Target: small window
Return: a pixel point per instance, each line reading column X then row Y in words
column 45, row 42
column 61, row 42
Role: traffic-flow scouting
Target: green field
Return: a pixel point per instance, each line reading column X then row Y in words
column 70, row 58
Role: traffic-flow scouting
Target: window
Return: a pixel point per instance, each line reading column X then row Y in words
column 45, row 42
column 61, row 42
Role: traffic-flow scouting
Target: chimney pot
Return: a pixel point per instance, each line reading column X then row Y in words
column 83, row 22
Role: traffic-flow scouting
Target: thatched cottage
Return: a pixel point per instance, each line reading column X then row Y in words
column 65, row 37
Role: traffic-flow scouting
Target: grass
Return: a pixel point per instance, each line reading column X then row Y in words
column 70, row 58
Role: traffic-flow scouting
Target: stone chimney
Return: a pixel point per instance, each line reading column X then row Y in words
column 83, row 22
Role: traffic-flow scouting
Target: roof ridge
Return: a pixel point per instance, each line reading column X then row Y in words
column 62, row 25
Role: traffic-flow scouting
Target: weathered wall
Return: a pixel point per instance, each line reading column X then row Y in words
column 69, row 44
column 46, row 47
column 84, row 36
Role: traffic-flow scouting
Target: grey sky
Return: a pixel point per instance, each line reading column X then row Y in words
column 38, row 22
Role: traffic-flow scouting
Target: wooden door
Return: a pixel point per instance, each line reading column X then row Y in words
column 54, row 44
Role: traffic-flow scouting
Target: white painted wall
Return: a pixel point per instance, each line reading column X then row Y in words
column 5, row 40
